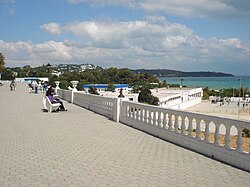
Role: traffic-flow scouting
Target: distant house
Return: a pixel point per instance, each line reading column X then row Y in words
column 103, row 87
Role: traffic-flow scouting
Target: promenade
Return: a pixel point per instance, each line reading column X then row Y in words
column 81, row 148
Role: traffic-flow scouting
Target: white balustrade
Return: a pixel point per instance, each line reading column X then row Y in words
column 64, row 94
column 172, row 125
column 102, row 105
column 177, row 126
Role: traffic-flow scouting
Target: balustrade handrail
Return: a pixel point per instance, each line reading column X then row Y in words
column 235, row 122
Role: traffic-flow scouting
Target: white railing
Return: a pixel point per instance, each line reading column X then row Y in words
column 105, row 106
column 102, row 105
column 64, row 94
column 197, row 132
column 186, row 129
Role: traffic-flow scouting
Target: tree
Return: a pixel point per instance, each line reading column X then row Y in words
column 7, row 74
column 164, row 83
column 2, row 62
column 64, row 84
column 111, row 87
column 145, row 96
column 93, row 90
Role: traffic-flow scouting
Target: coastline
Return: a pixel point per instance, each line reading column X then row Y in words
column 210, row 82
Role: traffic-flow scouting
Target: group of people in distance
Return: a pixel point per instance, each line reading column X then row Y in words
column 53, row 99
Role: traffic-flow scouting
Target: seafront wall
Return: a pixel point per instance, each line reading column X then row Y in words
column 186, row 129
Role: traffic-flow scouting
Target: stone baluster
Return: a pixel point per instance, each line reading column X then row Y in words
column 239, row 140
column 137, row 114
column 134, row 113
column 141, row 115
column 198, row 129
column 190, row 127
column 183, row 127
column 145, row 116
column 154, row 118
column 217, row 134
column 125, row 108
column 206, row 139
column 159, row 119
column 108, row 105
column 164, row 120
column 149, row 117
column 129, row 111
column 132, row 109
column 170, row 122
column 227, row 138
column 176, row 124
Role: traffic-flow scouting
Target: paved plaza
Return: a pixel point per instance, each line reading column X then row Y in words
column 227, row 110
column 81, row 148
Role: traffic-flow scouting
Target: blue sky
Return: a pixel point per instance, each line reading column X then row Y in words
column 187, row 35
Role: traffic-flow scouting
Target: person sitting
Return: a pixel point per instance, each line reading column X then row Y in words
column 51, row 95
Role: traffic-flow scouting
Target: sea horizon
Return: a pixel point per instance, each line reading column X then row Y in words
column 210, row 82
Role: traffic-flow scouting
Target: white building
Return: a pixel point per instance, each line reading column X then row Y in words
column 177, row 98
column 30, row 79
column 174, row 98
column 104, row 87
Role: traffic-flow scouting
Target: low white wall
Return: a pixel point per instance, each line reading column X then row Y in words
column 173, row 103
column 101, row 105
column 178, row 105
column 64, row 94
column 177, row 127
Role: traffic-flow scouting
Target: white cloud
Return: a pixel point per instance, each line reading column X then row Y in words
column 143, row 34
column 52, row 28
column 133, row 44
column 186, row 8
column 201, row 9
column 129, row 3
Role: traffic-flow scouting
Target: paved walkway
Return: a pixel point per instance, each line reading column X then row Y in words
column 81, row 148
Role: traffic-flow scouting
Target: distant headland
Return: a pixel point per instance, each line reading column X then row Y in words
column 175, row 73
column 61, row 68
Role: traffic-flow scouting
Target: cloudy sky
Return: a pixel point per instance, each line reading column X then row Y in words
column 187, row 35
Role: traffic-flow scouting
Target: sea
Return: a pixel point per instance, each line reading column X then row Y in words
column 216, row 83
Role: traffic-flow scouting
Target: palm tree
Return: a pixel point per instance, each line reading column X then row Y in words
column 2, row 62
